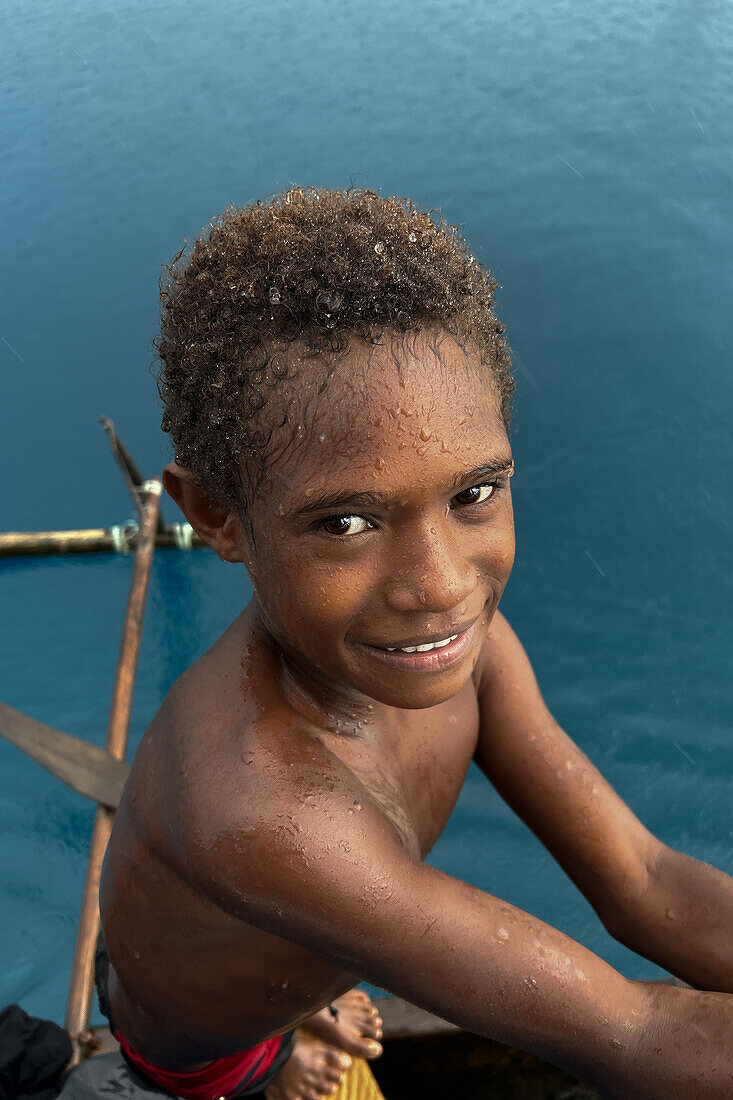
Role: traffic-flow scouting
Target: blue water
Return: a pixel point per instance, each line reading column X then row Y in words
column 587, row 149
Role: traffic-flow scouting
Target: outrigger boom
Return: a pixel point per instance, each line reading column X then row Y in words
column 121, row 538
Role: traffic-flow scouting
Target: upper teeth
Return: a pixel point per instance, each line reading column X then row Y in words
column 422, row 648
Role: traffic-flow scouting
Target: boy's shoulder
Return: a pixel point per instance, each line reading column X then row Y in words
column 226, row 751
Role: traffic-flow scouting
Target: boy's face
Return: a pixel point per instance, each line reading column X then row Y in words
column 387, row 523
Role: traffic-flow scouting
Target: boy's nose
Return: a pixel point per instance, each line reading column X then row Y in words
column 434, row 574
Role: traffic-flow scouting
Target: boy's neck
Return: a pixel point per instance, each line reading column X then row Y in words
column 331, row 707
column 327, row 704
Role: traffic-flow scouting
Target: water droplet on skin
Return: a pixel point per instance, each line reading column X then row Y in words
column 421, row 450
column 379, row 248
column 423, row 597
column 357, row 805
column 280, row 510
column 425, row 434
column 423, row 578
column 321, row 439
column 669, row 914
column 380, row 463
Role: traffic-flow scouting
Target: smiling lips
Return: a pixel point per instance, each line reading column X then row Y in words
column 426, row 656
column 421, row 648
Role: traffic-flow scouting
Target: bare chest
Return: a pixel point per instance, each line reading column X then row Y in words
column 416, row 772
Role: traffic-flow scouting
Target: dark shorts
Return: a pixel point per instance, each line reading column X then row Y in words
column 255, row 1091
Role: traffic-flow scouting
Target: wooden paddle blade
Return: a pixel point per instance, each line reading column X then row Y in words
column 88, row 769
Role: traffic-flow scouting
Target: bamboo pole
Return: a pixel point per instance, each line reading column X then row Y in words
column 121, row 539
column 82, row 975
column 128, row 466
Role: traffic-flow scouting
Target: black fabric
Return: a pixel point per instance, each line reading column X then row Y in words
column 106, row 1075
column 255, row 1091
column 262, row 1083
column 33, row 1054
column 101, row 974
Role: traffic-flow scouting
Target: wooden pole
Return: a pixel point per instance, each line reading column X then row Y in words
column 82, row 975
column 121, row 539
column 128, row 466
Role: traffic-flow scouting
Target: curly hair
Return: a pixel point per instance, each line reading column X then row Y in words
column 314, row 267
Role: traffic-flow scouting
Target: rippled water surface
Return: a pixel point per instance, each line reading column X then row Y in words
column 587, row 150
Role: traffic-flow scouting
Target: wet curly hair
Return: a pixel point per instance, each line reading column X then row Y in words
column 315, row 267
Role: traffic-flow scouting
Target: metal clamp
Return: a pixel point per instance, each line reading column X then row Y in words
column 152, row 486
column 122, row 534
column 183, row 535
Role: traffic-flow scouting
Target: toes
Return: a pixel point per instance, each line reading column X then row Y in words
column 321, row 1088
column 336, row 1059
column 372, row 1027
column 363, row 1046
column 352, row 1041
column 354, row 998
column 325, row 1084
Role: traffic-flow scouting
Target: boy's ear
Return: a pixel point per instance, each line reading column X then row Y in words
column 217, row 524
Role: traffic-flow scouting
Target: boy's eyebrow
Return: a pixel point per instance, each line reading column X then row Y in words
column 368, row 498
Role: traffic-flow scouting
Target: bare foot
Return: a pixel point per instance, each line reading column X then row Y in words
column 355, row 1030
column 312, row 1071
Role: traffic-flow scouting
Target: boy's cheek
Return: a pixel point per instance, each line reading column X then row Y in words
column 506, row 561
column 316, row 601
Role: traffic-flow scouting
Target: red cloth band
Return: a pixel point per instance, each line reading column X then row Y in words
column 214, row 1081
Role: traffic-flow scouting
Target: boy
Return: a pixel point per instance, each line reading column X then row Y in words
column 337, row 388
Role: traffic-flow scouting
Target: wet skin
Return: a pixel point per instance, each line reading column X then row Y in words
column 269, row 849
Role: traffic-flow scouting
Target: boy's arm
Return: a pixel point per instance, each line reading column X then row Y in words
column 664, row 905
column 328, row 872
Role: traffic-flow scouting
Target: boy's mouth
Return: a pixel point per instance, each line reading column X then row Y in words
column 430, row 654
column 423, row 648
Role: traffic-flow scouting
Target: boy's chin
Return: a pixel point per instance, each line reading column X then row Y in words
column 416, row 692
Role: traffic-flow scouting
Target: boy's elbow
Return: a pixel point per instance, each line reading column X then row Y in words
column 629, row 908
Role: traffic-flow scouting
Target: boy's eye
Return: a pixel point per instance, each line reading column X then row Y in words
column 477, row 494
column 344, row 525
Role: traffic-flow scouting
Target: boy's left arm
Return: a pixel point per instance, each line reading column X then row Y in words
column 676, row 911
